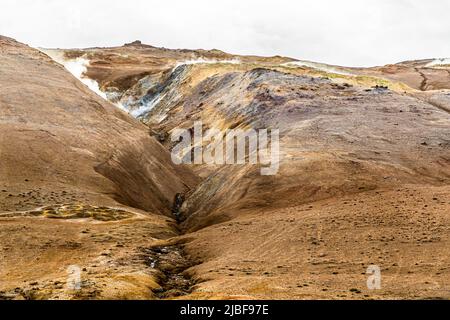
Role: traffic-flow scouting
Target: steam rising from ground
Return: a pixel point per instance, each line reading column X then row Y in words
column 206, row 61
column 317, row 66
column 78, row 68
column 439, row 62
column 148, row 106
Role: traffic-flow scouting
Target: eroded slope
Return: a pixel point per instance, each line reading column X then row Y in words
column 81, row 183
column 364, row 175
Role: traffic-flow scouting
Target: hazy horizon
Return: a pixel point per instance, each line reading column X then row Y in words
column 348, row 33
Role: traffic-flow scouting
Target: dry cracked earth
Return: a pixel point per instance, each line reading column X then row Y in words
column 87, row 183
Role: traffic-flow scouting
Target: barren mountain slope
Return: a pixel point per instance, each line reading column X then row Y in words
column 364, row 176
column 422, row 75
column 73, row 165
column 129, row 74
column 335, row 140
column 364, row 180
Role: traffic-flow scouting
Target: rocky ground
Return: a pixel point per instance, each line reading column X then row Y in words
column 364, row 177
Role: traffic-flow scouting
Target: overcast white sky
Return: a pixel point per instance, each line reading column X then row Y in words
column 343, row 32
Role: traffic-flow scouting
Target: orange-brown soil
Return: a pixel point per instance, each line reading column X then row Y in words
column 364, row 178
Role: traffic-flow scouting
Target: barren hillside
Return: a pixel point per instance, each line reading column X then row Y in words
column 82, row 183
column 364, row 173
